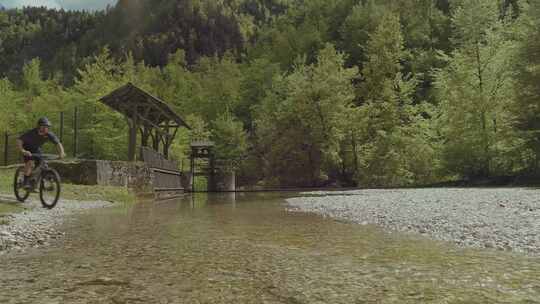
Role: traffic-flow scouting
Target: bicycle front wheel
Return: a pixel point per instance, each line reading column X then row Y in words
column 49, row 189
column 20, row 193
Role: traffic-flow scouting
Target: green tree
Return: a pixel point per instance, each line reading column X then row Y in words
column 230, row 139
column 476, row 90
column 387, row 128
column 104, row 131
column 257, row 80
column 12, row 116
column 300, row 124
column 359, row 24
column 527, row 107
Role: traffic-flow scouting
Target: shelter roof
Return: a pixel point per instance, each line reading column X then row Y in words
column 134, row 102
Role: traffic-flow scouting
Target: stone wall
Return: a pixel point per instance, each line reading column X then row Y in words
column 223, row 181
column 134, row 175
column 106, row 173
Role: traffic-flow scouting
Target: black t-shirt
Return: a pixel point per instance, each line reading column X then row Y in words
column 32, row 141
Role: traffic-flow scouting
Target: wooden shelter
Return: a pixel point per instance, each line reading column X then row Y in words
column 148, row 114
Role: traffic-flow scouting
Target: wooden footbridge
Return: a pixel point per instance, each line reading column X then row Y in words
column 158, row 125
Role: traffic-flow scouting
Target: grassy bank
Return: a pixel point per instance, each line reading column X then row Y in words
column 74, row 192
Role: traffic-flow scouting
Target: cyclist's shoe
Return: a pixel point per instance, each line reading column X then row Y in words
column 27, row 184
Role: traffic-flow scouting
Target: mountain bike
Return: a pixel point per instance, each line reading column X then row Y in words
column 44, row 178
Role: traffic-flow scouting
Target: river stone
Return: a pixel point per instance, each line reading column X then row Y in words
column 36, row 225
column 484, row 218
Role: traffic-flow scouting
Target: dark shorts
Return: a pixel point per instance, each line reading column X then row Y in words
column 36, row 156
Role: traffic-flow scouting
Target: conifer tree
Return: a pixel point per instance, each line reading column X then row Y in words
column 387, row 107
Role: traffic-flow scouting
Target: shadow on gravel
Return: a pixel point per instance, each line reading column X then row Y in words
column 9, row 201
column 9, row 205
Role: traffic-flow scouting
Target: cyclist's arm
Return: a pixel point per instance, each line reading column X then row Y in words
column 21, row 148
column 60, row 149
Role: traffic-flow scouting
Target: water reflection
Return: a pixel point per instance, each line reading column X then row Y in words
column 245, row 248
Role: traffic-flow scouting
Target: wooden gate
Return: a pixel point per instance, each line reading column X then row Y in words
column 167, row 175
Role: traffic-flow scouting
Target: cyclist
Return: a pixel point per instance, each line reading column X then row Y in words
column 30, row 146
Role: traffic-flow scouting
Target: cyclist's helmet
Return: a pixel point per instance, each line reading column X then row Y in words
column 44, row 122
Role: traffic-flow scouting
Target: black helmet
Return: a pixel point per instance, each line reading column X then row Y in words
column 44, row 122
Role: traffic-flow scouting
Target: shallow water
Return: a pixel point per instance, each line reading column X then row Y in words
column 246, row 248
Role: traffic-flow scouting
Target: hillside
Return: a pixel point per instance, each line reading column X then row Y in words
column 150, row 30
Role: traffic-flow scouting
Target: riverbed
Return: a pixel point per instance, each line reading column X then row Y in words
column 247, row 248
column 493, row 218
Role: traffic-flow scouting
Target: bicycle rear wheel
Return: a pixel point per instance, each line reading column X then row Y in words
column 20, row 193
column 49, row 189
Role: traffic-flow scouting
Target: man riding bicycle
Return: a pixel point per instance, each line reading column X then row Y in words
column 30, row 146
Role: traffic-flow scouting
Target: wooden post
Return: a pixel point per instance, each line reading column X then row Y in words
column 156, row 139
column 192, row 165
column 166, row 140
column 6, row 148
column 61, row 126
column 144, row 136
column 75, row 131
column 212, row 181
column 131, row 142
column 132, row 148
column 166, row 146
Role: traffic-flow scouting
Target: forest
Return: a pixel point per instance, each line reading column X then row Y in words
column 370, row 93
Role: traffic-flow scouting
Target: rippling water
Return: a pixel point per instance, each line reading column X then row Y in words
column 246, row 248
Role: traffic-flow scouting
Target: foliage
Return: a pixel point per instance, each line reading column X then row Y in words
column 527, row 107
column 476, row 92
column 300, row 123
column 295, row 93
column 230, row 139
column 389, row 127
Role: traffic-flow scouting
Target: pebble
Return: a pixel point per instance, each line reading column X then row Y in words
column 501, row 218
column 37, row 226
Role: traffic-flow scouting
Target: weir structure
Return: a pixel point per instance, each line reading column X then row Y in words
column 155, row 121
column 158, row 123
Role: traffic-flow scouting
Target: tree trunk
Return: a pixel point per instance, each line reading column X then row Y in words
column 483, row 118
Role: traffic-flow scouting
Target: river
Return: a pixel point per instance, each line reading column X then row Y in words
column 246, row 248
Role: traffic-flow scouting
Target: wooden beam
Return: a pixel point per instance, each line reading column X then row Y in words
column 127, row 110
column 150, row 123
column 170, row 125
column 158, row 107
column 120, row 99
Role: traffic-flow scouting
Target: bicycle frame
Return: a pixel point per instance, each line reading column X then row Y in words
column 39, row 170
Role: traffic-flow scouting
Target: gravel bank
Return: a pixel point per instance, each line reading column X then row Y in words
column 505, row 219
column 36, row 226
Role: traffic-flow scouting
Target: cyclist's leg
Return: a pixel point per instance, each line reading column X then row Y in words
column 36, row 157
column 30, row 162
column 28, row 165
